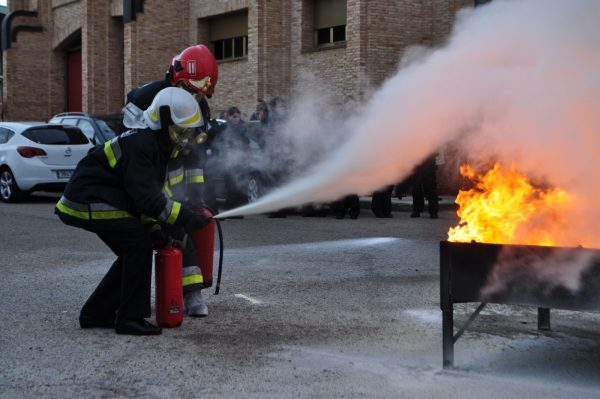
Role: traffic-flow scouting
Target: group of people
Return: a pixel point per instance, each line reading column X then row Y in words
column 244, row 147
column 235, row 140
column 142, row 190
column 422, row 183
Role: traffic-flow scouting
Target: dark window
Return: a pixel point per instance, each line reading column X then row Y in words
column 228, row 35
column 218, row 49
column 5, row 135
column 87, row 128
column 228, row 48
column 235, row 47
column 107, row 131
column 329, row 21
column 339, row 33
column 323, row 36
column 238, row 47
column 334, row 34
column 53, row 135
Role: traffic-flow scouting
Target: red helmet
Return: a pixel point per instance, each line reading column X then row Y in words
column 196, row 68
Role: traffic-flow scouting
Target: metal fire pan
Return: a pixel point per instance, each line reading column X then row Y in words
column 545, row 277
column 550, row 277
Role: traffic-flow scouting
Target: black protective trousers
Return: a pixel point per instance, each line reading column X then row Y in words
column 425, row 186
column 124, row 292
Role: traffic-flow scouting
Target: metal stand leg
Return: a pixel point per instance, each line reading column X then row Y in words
column 448, row 337
column 544, row 319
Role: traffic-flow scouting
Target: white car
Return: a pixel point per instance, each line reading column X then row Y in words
column 38, row 157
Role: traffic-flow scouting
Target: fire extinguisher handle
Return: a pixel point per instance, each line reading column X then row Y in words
column 177, row 244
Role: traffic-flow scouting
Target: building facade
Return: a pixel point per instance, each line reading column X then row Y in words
column 85, row 55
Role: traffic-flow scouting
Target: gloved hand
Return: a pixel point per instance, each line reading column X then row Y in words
column 159, row 238
column 196, row 222
column 177, row 244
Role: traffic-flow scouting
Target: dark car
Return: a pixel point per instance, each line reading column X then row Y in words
column 254, row 172
column 95, row 128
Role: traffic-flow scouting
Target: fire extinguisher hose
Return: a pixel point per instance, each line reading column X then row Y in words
column 218, row 285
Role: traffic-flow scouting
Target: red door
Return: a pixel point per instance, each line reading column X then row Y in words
column 74, row 90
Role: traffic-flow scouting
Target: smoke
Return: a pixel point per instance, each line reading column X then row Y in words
column 518, row 81
column 526, row 274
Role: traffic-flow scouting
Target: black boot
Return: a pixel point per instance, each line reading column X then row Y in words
column 136, row 327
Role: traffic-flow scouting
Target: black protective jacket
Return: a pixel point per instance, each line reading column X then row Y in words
column 142, row 96
column 124, row 179
column 192, row 162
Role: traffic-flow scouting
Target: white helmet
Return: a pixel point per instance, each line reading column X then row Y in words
column 173, row 106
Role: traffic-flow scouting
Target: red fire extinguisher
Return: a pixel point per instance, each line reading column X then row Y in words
column 169, row 287
column 204, row 245
column 169, row 272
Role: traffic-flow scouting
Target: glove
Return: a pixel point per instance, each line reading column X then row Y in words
column 177, row 244
column 159, row 238
column 196, row 222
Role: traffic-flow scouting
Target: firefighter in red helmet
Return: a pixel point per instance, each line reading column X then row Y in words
column 112, row 191
column 194, row 70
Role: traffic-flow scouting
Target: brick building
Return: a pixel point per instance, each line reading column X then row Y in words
column 68, row 55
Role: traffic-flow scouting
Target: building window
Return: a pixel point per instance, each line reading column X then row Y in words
column 329, row 22
column 235, row 47
column 228, row 36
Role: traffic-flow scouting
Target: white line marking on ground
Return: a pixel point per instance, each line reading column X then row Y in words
column 247, row 298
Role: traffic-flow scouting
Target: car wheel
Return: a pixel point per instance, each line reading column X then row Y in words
column 255, row 188
column 9, row 191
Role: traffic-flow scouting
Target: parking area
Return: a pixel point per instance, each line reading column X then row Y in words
column 309, row 307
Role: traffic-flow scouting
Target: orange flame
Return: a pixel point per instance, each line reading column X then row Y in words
column 503, row 207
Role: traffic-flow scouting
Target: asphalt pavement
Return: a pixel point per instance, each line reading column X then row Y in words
column 310, row 307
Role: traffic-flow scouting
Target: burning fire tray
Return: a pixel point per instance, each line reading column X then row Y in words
column 545, row 277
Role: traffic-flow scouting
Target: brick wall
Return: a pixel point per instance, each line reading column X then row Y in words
column 331, row 67
column 238, row 79
column 102, row 50
column 151, row 41
column 66, row 23
column 274, row 77
column 94, row 50
column 115, row 95
column 117, row 57
column 27, row 69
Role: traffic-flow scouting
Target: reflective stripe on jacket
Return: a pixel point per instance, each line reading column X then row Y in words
column 195, row 175
column 90, row 211
column 124, row 178
column 185, row 178
column 112, row 150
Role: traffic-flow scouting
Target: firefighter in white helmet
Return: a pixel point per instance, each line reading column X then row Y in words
column 112, row 189
column 195, row 70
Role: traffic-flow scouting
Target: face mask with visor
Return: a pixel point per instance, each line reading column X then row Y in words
column 184, row 137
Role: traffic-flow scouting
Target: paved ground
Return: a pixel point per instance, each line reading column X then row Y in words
column 309, row 307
